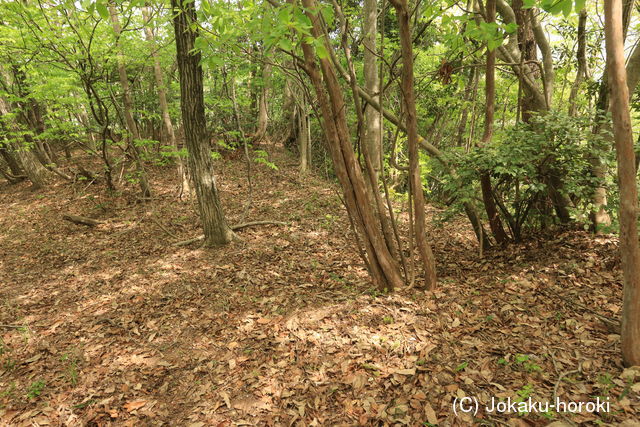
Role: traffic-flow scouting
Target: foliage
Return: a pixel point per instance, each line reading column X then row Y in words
column 523, row 160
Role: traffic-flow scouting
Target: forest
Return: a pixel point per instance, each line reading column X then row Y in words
column 319, row 212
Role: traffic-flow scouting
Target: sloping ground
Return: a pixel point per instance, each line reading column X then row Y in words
column 115, row 326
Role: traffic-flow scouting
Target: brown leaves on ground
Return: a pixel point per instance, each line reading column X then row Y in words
column 114, row 326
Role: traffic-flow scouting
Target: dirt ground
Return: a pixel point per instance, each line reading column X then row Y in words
column 114, row 325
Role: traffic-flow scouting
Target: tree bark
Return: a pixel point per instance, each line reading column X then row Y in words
column 183, row 176
column 214, row 223
column 629, row 249
column 426, row 255
column 82, row 220
column 145, row 188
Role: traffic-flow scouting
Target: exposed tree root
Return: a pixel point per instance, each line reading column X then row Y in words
column 234, row 228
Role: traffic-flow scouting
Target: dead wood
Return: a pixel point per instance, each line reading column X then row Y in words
column 82, row 220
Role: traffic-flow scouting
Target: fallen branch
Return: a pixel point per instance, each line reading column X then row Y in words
column 82, row 220
column 251, row 224
column 234, row 228
column 14, row 326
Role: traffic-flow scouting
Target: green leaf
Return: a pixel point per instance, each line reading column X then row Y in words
column 327, row 15
column 493, row 43
column 321, row 50
column 528, row 4
column 285, row 44
column 579, row 5
column 511, row 27
column 556, row 6
column 102, row 10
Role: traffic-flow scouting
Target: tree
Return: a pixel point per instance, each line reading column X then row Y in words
column 183, row 176
column 263, row 94
column 408, row 96
column 384, row 269
column 26, row 159
column 490, row 94
column 214, row 223
column 132, row 127
column 629, row 249
column 373, row 126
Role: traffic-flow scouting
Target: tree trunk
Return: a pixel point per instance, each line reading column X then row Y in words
column 216, row 230
column 464, row 114
column 426, row 255
column 304, row 135
column 183, row 176
column 528, row 52
column 128, row 108
column 629, row 249
column 384, row 269
column 469, row 207
column 10, row 160
column 600, row 218
column 36, row 172
column 263, row 112
column 372, row 129
column 24, row 157
column 581, row 56
column 530, row 103
column 490, row 95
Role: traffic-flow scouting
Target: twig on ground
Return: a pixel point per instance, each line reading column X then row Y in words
column 251, row 224
column 82, row 220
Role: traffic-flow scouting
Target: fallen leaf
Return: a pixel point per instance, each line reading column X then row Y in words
column 134, row 404
column 430, row 413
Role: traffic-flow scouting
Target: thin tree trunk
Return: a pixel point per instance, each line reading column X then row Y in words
column 263, row 111
column 490, row 95
column 384, row 269
column 426, row 255
column 372, row 128
column 581, row 56
column 629, row 249
column 469, row 207
column 128, row 108
column 183, row 176
column 303, row 135
column 216, row 230
column 528, row 49
column 600, row 218
column 466, row 98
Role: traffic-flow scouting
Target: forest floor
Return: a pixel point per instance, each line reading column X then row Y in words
column 114, row 325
